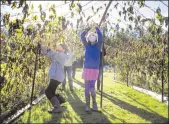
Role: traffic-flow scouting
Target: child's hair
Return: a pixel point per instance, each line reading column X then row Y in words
column 64, row 46
column 88, row 36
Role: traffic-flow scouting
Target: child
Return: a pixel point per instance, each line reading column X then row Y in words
column 68, row 69
column 56, row 74
column 90, row 73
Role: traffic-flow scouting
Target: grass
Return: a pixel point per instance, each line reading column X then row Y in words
column 121, row 104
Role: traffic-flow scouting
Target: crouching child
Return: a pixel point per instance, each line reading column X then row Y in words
column 56, row 74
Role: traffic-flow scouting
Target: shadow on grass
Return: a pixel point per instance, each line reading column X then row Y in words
column 114, row 117
column 104, row 116
column 139, row 103
column 29, row 116
column 79, row 107
column 79, row 83
column 153, row 117
column 55, row 118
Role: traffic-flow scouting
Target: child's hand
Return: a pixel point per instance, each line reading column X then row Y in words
column 87, row 29
column 96, row 25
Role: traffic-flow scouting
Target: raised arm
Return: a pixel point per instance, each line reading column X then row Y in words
column 83, row 38
column 47, row 52
column 53, row 55
column 100, row 37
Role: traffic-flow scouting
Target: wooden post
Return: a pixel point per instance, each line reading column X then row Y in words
column 127, row 77
column 103, row 17
column 162, row 80
column 114, row 73
column 168, row 69
column 34, row 76
column 102, row 72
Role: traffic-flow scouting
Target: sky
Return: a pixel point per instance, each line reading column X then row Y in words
column 114, row 16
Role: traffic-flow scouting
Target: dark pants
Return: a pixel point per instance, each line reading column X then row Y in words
column 68, row 72
column 51, row 89
column 73, row 72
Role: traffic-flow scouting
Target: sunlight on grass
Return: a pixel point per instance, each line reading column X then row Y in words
column 121, row 104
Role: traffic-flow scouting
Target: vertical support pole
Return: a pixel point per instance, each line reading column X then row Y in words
column 102, row 66
column 162, row 80
column 103, row 17
column 127, row 77
column 34, row 76
column 114, row 73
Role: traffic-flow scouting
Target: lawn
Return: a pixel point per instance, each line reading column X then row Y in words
column 121, row 104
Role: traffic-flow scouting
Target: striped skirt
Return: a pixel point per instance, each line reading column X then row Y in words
column 90, row 74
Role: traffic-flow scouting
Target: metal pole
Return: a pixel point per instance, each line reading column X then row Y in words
column 34, row 76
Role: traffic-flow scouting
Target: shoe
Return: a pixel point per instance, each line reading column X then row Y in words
column 56, row 110
column 87, row 109
column 94, row 105
column 60, row 98
column 62, row 89
column 88, row 104
column 56, row 105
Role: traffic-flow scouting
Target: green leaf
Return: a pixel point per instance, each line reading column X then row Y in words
column 72, row 14
column 35, row 17
column 3, row 66
column 125, row 18
column 43, row 16
column 97, row 9
column 159, row 30
column 130, row 27
column 77, row 10
column 72, row 4
column 166, row 21
column 158, row 10
column 158, row 16
column 115, row 6
column 3, row 1
column 88, row 18
column 83, row 14
column 14, row 5
column 138, row 17
column 92, row 8
column 120, row 13
column 62, row 38
column 131, row 18
column 32, row 7
column 40, row 7
column 140, row 3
